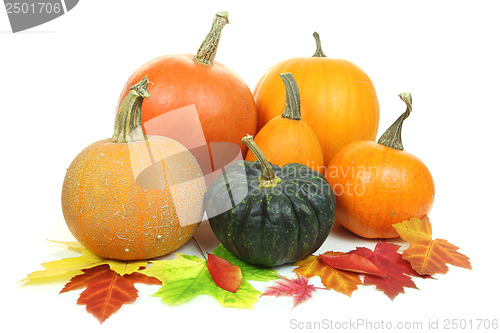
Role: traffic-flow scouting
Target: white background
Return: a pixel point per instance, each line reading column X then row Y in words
column 59, row 85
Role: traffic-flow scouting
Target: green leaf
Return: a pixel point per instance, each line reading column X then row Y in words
column 186, row 277
column 249, row 272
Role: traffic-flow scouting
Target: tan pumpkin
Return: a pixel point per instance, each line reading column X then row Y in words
column 132, row 197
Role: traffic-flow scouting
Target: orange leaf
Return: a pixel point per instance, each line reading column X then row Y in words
column 341, row 281
column 225, row 275
column 106, row 291
column 351, row 262
column 427, row 255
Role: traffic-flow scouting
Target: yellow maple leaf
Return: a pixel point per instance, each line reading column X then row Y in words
column 341, row 281
column 426, row 255
column 66, row 268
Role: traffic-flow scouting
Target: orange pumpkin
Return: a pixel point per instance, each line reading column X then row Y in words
column 377, row 185
column 224, row 102
column 287, row 138
column 338, row 99
column 132, row 197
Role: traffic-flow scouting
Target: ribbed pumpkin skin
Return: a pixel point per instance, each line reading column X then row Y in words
column 272, row 226
column 339, row 100
column 376, row 187
column 285, row 141
column 115, row 218
column 224, row 102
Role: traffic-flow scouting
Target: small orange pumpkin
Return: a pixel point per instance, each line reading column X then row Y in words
column 377, row 185
column 337, row 96
column 132, row 197
column 287, row 138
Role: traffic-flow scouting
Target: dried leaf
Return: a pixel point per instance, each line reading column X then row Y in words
column 339, row 280
column 226, row 275
column 298, row 288
column 106, row 291
column 428, row 256
column 351, row 262
column 397, row 270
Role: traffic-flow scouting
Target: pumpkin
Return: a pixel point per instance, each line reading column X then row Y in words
column 338, row 98
column 269, row 215
column 288, row 139
column 379, row 184
column 224, row 102
column 132, row 197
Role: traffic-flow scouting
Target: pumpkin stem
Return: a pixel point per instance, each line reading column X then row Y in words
column 268, row 178
column 208, row 49
column 392, row 137
column 292, row 106
column 128, row 122
column 319, row 51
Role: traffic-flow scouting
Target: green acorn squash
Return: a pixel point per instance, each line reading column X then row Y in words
column 267, row 215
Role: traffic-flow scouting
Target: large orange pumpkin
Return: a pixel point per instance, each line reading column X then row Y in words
column 288, row 139
column 132, row 197
column 377, row 185
column 338, row 98
column 224, row 102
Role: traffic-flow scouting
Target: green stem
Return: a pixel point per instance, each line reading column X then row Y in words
column 392, row 137
column 208, row 49
column 128, row 122
column 319, row 51
column 292, row 106
column 268, row 178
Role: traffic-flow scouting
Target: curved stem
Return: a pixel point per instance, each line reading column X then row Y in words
column 268, row 178
column 128, row 123
column 319, row 51
column 292, row 106
column 208, row 49
column 392, row 137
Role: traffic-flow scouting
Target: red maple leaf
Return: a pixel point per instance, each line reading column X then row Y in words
column 106, row 291
column 225, row 275
column 398, row 271
column 299, row 288
column 350, row 262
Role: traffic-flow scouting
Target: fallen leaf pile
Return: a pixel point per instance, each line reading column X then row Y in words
column 109, row 284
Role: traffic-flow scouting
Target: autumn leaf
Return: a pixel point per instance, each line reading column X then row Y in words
column 298, row 288
column 66, row 268
column 351, row 262
column 427, row 255
column 398, row 271
column 106, row 291
column 225, row 275
column 249, row 272
column 339, row 280
column 186, row 277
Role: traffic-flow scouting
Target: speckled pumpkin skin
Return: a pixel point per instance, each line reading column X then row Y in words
column 112, row 216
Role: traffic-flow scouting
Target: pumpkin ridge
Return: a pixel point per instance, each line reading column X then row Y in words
column 306, row 201
column 297, row 247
